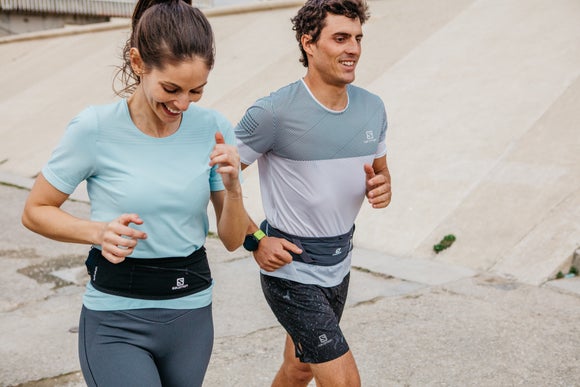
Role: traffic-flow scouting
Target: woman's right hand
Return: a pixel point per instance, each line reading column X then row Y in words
column 43, row 215
column 118, row 240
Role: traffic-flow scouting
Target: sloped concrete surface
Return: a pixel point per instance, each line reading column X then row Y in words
column 483, row 100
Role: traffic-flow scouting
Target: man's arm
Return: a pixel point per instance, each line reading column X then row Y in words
column 272, row 252
column 378, row 183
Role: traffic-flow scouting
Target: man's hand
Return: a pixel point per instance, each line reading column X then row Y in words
column 273, row 253
column 378, row 187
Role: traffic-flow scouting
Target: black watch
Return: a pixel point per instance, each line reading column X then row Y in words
column 252, row 240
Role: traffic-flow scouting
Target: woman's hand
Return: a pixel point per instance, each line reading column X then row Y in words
column 232, row 220
column 118, row 240
column 227, row 159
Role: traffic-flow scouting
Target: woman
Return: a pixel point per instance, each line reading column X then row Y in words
column 152, row 162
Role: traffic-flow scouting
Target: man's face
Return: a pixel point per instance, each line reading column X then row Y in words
column 335, row 55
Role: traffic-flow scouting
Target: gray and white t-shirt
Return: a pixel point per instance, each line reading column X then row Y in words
column 310, row 163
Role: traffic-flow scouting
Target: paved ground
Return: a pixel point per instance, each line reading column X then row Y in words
column 409, row 322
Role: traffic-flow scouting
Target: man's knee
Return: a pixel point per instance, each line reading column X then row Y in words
column 301, row 373
column 338, row 372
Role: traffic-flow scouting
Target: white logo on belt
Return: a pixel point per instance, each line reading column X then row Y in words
column 337, row 251
column 180, row 284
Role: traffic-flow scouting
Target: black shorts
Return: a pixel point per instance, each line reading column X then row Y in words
column 310, row 314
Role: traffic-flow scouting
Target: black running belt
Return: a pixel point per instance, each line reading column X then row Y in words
column 150, row 278
column 324, row 251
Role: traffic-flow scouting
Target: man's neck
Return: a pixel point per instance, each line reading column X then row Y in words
column 333, row 97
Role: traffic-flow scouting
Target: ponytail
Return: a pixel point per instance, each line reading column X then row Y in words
column 165, row 31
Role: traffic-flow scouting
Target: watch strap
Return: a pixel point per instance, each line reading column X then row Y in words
column 259, row 234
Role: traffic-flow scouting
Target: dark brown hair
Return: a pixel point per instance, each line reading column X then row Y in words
column 311, row 18
column 165, row 32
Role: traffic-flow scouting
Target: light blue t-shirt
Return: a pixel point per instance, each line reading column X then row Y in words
column 166, row 181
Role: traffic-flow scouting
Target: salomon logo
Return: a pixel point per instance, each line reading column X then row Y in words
column 324, row 340
column 370, row 137
column 180, row 284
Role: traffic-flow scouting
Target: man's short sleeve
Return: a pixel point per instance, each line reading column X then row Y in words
column 382, row 148
column 256, row 130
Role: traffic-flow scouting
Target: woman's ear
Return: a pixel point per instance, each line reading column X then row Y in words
column 136, row 61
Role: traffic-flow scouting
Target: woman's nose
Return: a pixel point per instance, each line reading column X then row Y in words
column 182, row 102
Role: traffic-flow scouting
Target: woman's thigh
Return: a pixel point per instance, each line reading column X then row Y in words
column 145, row 347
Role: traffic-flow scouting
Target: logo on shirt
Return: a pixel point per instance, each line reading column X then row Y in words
column 180, row 284
column 370, row 137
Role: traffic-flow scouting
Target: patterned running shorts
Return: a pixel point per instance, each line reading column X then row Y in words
column 310, row 314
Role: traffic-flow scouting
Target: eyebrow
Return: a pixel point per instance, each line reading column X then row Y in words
column 167, row 83
column 346, row 34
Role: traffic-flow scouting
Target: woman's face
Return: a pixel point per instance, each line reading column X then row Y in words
column 169, row 91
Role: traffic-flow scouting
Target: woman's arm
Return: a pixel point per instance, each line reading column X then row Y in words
column 43, row 215
column 232, row 220
column 231, row 217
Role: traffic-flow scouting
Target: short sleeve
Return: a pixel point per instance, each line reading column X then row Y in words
column 256, row 131
column 382, row 148
column 73, row 160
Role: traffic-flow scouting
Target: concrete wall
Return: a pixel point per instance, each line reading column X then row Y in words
column 17, row 23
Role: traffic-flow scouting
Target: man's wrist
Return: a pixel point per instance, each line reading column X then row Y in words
column 252, row 241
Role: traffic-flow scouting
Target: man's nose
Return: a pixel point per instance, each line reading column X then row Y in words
column 353, row 47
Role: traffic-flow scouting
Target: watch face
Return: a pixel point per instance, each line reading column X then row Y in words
column 250, row 243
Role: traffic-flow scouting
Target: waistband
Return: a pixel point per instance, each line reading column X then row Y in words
column 323, row 251
column 150, row 278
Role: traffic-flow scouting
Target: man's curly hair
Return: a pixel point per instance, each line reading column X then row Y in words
column 311, row 18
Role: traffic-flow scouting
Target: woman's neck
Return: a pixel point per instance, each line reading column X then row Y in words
column 145, row 119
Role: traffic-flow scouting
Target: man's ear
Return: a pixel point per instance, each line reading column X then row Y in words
column 136, row 61
column 306, row 42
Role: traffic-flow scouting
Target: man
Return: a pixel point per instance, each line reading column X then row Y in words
column 320, row 147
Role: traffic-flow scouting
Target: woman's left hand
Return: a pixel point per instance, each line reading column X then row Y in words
column 228, row 161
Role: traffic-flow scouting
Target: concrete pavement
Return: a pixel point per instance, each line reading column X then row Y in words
column 409, row 322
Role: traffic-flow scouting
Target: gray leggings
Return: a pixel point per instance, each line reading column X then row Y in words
column 145, row 347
